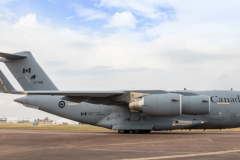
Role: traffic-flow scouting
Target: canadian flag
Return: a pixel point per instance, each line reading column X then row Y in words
column 27, row 70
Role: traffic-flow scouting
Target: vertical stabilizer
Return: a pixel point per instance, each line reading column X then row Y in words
column 27, row 71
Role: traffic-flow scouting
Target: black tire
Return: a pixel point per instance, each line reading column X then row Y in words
column 127, row 131
column 123, row 131
column 137, row 131
column 147, row 131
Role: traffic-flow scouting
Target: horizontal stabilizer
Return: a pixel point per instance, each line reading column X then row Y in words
column 11, row 56
column 5, row 85
column 76, row 93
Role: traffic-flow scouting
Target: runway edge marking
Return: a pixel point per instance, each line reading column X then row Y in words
column 186, row 155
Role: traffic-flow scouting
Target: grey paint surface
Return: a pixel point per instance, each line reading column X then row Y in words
column 157, row 105
column 196, row 105
column 110, row 109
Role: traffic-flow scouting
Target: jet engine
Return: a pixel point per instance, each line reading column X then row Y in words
column 170, row 105
column 158, row 105
column 196, row 105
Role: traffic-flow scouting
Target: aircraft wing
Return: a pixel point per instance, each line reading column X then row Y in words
column 76, row 93
column 94, row 97
column 185, row 93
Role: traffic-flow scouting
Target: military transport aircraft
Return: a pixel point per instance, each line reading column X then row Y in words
column 135, row 111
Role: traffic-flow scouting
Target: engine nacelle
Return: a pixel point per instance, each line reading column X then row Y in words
column 196, row 105
column 159, row 105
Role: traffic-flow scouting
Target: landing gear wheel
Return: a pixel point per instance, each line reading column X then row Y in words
column 123, row 131
column 137, row 131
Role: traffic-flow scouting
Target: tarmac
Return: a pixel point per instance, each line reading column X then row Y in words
column 84, row 145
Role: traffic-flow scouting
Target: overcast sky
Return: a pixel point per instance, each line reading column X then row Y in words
column 123, row 44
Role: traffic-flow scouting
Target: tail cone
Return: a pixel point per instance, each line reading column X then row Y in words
column 20, row 100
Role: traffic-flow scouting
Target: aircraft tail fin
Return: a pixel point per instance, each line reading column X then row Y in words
column 5, row 85
column 27, row 71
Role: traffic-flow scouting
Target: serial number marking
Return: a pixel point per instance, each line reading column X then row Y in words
column 37, row 82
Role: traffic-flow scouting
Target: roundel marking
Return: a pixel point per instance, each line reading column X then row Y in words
column 61, row 104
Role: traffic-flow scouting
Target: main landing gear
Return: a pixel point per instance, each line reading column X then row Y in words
column 123, row 131
column 134, row 131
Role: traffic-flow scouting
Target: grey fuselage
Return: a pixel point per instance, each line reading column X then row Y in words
column 224, row 113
